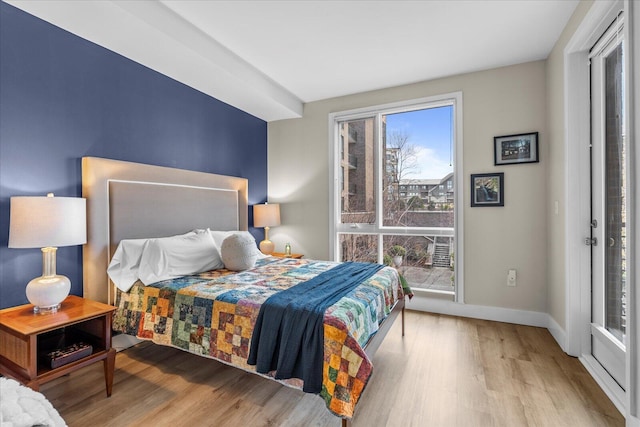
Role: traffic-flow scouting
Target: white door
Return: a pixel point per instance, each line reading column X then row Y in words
column 609, row 203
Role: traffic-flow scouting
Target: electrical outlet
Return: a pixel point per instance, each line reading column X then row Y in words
column 511, row 278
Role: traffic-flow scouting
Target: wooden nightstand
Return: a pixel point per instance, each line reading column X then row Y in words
column 26, row 337
column 282, row 255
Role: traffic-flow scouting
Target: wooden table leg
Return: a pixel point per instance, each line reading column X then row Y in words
column 109, row 367
column 32, row 384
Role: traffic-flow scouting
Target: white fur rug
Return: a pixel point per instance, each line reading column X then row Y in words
column 20, row 406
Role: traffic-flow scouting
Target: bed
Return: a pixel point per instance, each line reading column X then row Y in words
column 213, row 313
column 21, row 406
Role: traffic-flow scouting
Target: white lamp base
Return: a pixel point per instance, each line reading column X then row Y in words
column 47, row 292
column 267, row 247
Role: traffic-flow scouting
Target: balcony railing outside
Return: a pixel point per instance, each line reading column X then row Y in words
column 427, row 262
column 353, row 161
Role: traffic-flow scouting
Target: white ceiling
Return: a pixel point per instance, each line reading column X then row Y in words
column 270, row 57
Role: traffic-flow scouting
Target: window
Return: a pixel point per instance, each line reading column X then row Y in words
column 400, row 150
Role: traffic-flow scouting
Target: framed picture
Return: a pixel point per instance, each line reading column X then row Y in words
column 487, row 189
column 510, row 149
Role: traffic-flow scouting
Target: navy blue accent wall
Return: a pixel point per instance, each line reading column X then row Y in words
column 63, row 97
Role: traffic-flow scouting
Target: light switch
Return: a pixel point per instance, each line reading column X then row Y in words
column 511, row 278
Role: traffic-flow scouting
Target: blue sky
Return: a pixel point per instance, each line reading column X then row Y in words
column 429, row 131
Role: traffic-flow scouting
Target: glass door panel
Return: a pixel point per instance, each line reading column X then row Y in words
column 608, row 195
column 614, row 198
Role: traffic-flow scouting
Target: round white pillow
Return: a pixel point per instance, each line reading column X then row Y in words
column 238, row 252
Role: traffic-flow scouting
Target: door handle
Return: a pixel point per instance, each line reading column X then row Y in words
column 612, row 242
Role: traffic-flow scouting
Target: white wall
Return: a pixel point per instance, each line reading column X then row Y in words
column 496, row 102
column 556, row 302
column 527, row 234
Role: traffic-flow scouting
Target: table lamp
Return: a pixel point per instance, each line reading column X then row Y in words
column 47, row 223
column 267, row 215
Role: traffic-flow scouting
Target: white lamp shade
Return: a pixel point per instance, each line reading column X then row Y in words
column 267, row 215
column 38, row 222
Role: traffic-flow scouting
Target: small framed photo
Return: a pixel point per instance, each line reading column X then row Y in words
column 510, row 149
column 487, row 189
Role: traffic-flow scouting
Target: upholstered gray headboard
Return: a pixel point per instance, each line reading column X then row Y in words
column 131, row 200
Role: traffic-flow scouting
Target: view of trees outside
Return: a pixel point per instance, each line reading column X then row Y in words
column 416, row 177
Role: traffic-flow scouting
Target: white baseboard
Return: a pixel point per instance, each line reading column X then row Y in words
column 558, row 333
column 615, row 393
column 499, row 314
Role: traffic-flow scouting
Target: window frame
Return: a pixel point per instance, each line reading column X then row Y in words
column 453, row 99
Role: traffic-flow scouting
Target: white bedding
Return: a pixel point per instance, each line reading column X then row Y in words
column 156, row 259
column 20, row 406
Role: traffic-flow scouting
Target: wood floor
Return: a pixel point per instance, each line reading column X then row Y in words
column 446, row 371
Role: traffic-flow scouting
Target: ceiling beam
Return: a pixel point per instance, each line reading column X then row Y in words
column 153, row 35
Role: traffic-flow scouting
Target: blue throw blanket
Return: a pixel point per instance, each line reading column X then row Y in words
column 288, row 336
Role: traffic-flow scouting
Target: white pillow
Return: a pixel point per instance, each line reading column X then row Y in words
column 124, row 265
column 177, row 256
column 239, row 252
column 219, row 236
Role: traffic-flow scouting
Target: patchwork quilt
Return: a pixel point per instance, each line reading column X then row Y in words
column 213, row 314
